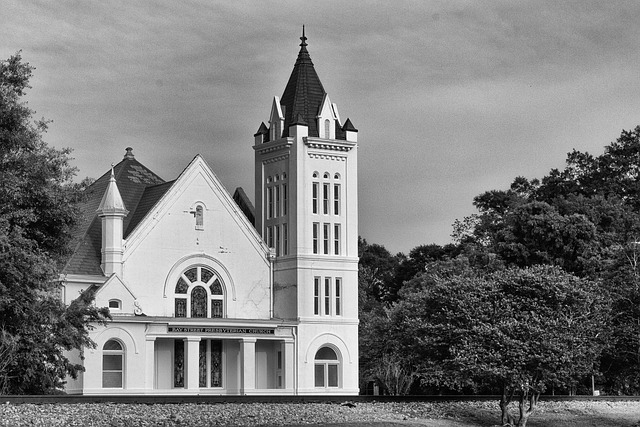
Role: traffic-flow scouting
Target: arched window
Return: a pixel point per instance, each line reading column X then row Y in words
column 115, row 304
column 199, row 302
column 199, row 218
column 112, row 364
column 327, row 128
column 327, row 368
column 197, row 289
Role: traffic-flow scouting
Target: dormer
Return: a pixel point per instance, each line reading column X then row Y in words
column 326, row 119
column 276, row 120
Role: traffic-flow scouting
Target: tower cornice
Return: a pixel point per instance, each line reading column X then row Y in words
column 278, row 144
column 329, row 144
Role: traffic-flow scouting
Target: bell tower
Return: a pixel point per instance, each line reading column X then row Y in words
column 306, row 190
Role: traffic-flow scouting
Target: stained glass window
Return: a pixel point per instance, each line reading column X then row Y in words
column 181, row 286
column 195, row 303
column 202, row 364
column 192, row 274
column 216, row 363
column 178, row 363
column 205, row 275
column 216, row 288
column 216, row 308
column 181, row 307
column 199, row 302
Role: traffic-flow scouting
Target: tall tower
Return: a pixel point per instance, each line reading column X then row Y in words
column 306, row 187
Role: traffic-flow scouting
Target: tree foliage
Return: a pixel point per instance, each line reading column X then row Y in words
column 585, row 219
column 37, row 215
column 519, row 331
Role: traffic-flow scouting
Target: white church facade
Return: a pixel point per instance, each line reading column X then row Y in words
column 210, row 295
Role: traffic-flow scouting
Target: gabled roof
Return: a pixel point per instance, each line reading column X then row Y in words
column 303, row 94
column 139, row 188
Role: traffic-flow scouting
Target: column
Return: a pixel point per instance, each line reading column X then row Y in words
column 289, row 365
column 192, row 363
column 248, row 365
column 150, row 362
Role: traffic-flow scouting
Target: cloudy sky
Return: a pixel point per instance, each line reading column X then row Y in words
column 451, row 98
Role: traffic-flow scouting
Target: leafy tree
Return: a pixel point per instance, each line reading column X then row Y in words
column 36, row 219
column 584, row 218
column 516, row 330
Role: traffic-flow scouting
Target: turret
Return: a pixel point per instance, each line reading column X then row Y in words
column 112, row 212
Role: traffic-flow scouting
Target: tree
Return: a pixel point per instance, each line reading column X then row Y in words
column 585, row 219
column 37, row 215
column 519, row 331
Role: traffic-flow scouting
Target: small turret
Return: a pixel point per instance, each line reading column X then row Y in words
column 112, row 212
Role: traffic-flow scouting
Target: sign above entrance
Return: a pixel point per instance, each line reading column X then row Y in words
column 204, row 330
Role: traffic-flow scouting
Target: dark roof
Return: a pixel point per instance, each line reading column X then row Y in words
column 148, row 200
column 245, row 205
column 140, row 189
column 303, row 94
column 262, row 130
column 349, row 126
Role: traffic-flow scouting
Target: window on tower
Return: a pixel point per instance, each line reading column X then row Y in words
column 285, row 239
column 326, row 237
column 316, row 295
column 316, row 232
column 327, row 296
column 325, row 198
column 285, row 197
column 269, row 202
column 338, row 296
column 314, row 197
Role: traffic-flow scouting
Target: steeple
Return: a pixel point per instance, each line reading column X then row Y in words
column 304, row 92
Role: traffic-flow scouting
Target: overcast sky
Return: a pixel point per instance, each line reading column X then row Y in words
column 451, row 98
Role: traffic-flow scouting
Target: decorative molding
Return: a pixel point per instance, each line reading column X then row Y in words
column 328, row 157
column 329, row 144
column 275, row 159
column 271, row 146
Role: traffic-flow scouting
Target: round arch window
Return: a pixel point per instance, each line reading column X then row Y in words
column 112, row 364
column 199, row 292
column 326, row 368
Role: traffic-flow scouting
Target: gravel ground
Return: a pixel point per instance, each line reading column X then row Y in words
column 436, row 414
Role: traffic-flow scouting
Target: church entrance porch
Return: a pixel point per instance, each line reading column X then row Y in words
column 220, row 365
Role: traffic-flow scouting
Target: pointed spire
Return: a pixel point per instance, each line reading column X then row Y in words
column 303, row 55
column 303, row 38
column 304, row 92
column 112, row 200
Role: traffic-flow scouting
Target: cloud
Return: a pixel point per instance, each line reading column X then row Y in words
column 451, row 98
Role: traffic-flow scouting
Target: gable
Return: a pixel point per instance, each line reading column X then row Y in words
column 176, row 208
column 115, row 289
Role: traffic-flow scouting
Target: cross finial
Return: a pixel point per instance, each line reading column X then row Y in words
column 303, row 38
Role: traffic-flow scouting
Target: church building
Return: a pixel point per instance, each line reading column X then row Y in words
column 210, row 295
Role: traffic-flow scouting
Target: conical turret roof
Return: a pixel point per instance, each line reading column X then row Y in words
column 304, row 92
